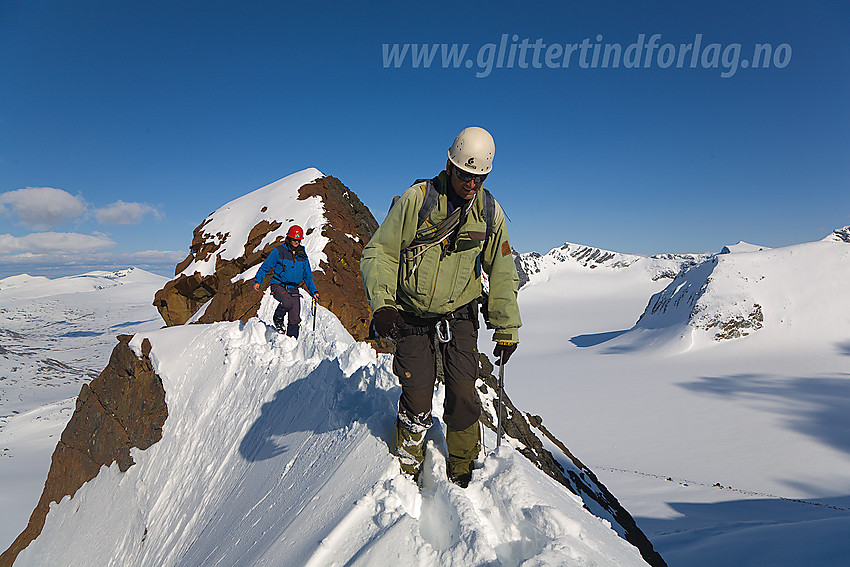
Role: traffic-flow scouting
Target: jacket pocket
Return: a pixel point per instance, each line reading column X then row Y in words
column 420, row 274
column 466, row 255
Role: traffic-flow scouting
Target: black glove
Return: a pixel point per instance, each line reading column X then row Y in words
column 503, row 351
column 387, row 322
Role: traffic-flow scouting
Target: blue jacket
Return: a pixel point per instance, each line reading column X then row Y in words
column 289, row 268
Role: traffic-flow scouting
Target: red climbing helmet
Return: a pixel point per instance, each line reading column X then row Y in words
column 295, row 232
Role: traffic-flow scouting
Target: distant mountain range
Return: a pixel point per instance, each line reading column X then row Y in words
column 716, row 297
column 532, row 266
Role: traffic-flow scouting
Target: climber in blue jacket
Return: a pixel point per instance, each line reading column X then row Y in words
column 290, row 266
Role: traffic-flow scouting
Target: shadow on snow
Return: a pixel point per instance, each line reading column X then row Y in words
column 817, row 406
column 594, row 339
column 791, row 532
column 324, row 400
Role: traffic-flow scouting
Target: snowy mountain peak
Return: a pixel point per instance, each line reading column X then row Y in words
column 779, row 293
column 225, row 231
column 839, row 235
column 741, row 247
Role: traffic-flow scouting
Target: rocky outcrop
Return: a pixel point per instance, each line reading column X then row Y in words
column 123, row 407
column 350, row 227
column 721, row 305
column 228, row 297
column 736, row 326
column 572, row 474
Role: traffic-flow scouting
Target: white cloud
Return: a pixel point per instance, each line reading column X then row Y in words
column 42, row 206
column 67, row 263
column 52, row 242
column 120, row 212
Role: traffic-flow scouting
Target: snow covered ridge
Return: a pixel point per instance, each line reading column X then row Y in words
column 533, row 267
column 742, row 247
column 769, row 291
column 277, row 450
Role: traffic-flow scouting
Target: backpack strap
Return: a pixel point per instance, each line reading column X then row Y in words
column 429, row 201
column 431, row 196
column 489, row 210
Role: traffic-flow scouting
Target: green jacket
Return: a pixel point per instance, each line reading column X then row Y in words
column 445, row 277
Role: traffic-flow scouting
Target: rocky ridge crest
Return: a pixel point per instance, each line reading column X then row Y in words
column 226, row 294
column 125, row 407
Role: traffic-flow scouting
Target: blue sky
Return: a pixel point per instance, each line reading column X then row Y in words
column 143, row 118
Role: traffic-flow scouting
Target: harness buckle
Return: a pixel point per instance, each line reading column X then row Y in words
column 443, row 336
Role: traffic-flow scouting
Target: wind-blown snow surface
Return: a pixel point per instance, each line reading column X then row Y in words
column 275, row 452
column 55, row 335
column 727, row 452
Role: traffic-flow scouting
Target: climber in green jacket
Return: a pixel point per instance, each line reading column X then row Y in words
column 423, row 281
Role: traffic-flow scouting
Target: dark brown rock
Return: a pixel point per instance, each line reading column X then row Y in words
column 339, row 283
column 124, row 407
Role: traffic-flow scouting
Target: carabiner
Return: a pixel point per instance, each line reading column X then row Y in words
column 443, row 336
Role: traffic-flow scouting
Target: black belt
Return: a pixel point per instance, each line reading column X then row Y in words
column 426, row 325
column 414, row 325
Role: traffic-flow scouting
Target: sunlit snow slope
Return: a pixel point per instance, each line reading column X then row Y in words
column 275, row 452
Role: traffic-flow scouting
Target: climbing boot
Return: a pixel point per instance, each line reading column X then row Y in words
column 464, row 447
column 410, row 441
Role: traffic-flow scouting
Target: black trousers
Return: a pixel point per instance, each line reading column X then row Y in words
column 415, row 365
column 290, row 303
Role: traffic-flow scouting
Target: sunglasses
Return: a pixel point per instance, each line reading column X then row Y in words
column 467, row 177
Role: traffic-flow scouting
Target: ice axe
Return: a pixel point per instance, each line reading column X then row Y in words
column 501, row 394
column 313, row 311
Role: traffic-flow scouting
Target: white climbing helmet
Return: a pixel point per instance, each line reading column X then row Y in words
column 473, row 150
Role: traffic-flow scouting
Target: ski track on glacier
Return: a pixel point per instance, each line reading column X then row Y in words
column 687, row 483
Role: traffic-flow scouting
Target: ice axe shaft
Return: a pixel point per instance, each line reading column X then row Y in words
column 501, row 404
column 313, row 310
